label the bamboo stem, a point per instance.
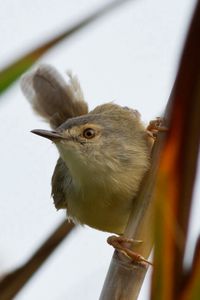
(124, 278)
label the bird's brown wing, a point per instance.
(61, 184)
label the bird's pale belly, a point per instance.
(106, 214)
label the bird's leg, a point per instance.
(155, 126)
(121, 243)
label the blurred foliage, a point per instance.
(12, 283)
(14, 70)
(175, 180)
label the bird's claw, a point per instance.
(121, 244)
(156, 126)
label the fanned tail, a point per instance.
(51, 97)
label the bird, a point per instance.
(103, 153)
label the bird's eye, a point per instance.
(89, 133)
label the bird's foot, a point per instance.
(156, 126)
(122, 244)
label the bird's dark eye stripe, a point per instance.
(89, 133)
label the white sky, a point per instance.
(129, 56)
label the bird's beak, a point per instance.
(51, 135)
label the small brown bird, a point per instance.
(104, 154)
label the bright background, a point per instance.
(129, 56)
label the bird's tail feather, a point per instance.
(51, 97)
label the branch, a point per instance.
(124, 278)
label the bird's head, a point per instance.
(77, 137)
(111, 138)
